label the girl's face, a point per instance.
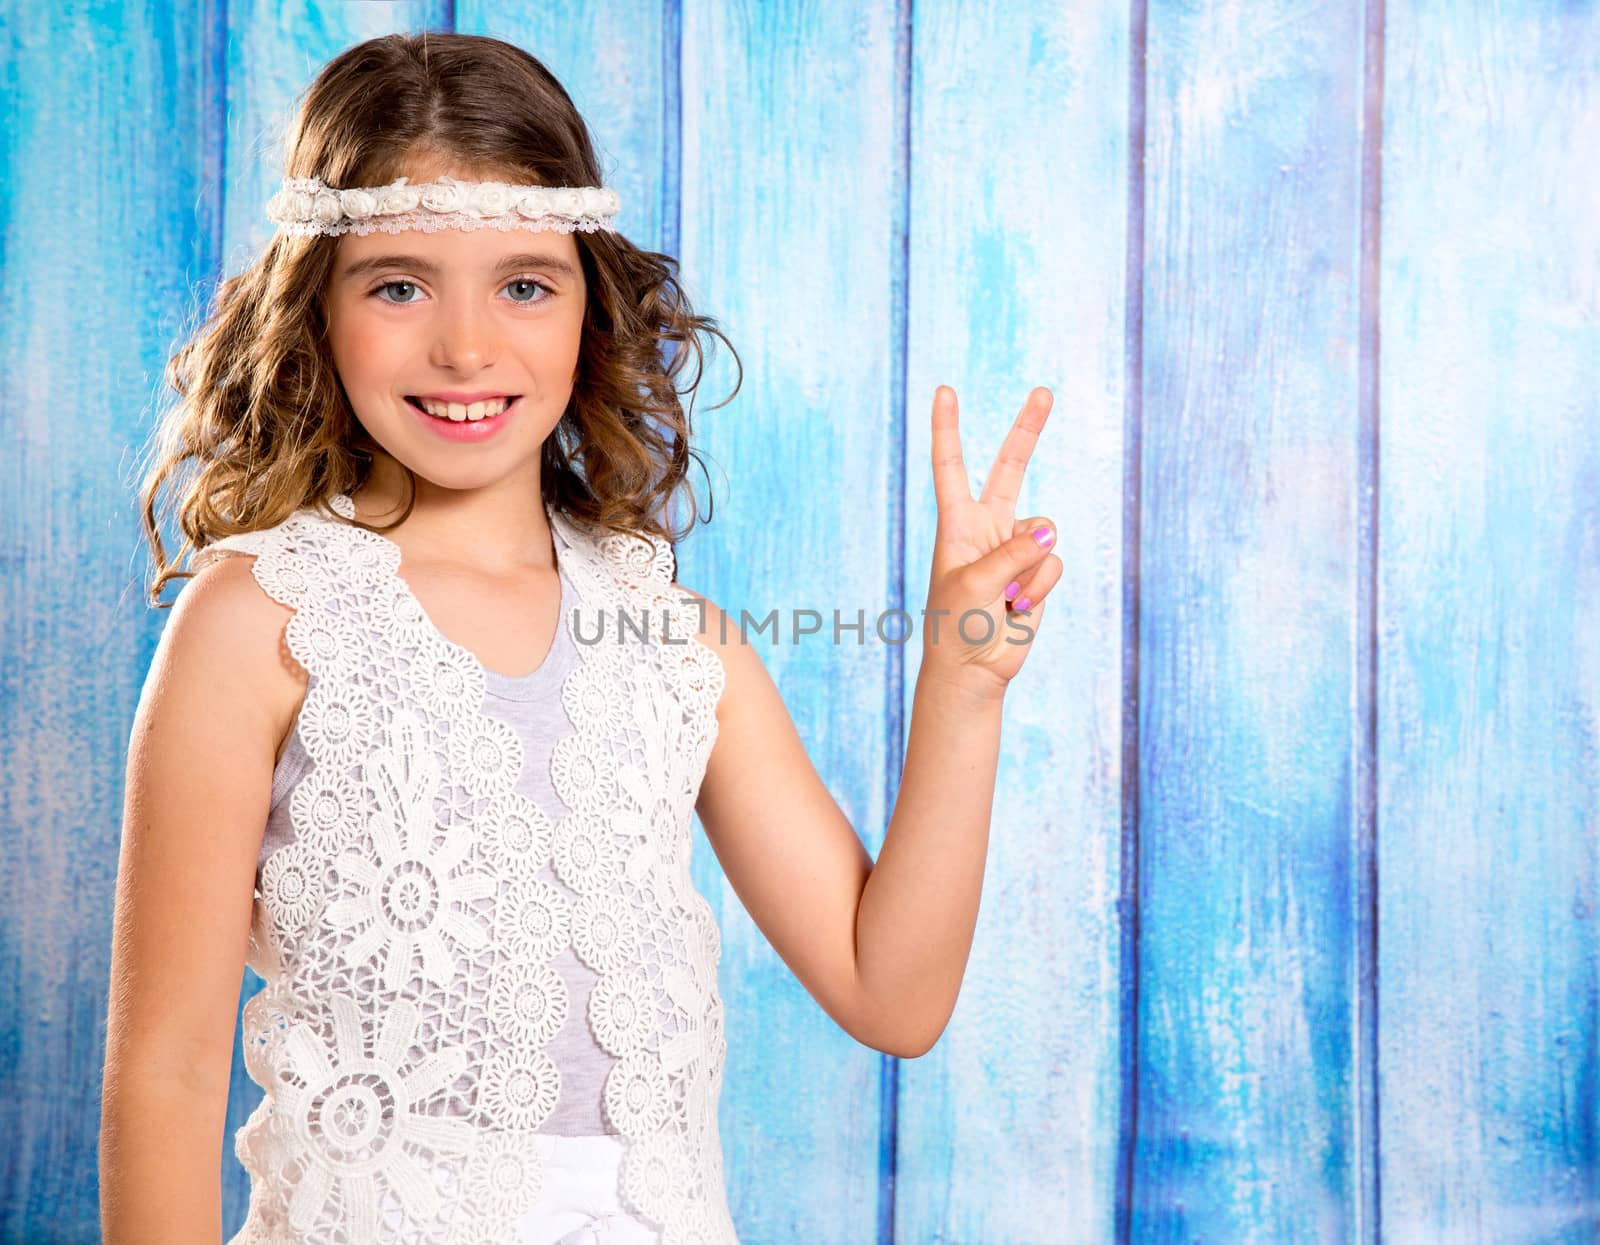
(415, 314)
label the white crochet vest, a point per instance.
(406, 938)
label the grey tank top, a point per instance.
(531, 706)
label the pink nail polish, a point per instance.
(1043, 536)
(1022, 604)
(1012, 589)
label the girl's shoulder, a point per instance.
(224, 621)
(246, 589)
(309, 556)
(306, 529)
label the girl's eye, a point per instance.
(389, 285)
(539, 285)
(411, 285)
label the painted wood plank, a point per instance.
(1489, 625)
(788, 189)
(1008, 1127)
(274, 52)
(1247, 1017)
(613, 60)
(104, 220)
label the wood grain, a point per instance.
(1288, 931)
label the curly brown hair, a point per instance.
(260, 407)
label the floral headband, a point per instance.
(305, 206)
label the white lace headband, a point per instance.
(305, 206)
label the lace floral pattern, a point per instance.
(407, 942)
(305, 206)
(433, 222)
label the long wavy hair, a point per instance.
(261, 415)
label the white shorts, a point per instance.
(580, 1205)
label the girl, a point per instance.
(423, 740)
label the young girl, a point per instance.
(423, 740)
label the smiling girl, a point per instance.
(390, 755)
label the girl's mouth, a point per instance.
(494, 408)
(466, 428)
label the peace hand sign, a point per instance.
(983, 557)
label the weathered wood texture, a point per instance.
(1289, 926)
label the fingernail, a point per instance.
(1012, 589)
(1043, 536)
(1022, 604)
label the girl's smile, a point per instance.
(456, 421)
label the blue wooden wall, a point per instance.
(1289, 928)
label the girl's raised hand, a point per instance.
(984, 557)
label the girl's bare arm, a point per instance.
(199, 781)
(883, 946)
(885, 957)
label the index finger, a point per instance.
(950, 483)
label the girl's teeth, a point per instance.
(458, 412)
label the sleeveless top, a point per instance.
(531, 705)
(413, 924)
